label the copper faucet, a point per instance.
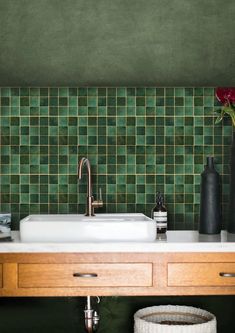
(91, 204)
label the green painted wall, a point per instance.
(117, 43)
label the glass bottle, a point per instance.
(159, 214)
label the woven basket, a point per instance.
(174, 319)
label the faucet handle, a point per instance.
(100, 194)
(98, 203)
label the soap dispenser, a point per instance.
(159, 214)
(210, 205)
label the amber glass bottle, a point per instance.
(159, 214)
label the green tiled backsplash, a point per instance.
(139, 141)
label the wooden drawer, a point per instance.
(1, 275)
(67, 275)
(201, 274)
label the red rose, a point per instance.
(225, 96)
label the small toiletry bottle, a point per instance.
(159, 214)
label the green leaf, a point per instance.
(218, 119)
(229, 111)
(233, 119)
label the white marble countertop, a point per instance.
(176, 241)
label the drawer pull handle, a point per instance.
(85, 275)
(227, 274)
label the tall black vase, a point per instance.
(210, 205)
(231, 217)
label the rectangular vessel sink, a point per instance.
(79, 228)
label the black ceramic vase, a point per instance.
(231, 216)
(210, 205)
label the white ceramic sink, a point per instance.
(79, 228)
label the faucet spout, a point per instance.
(90, 203)
(85, 161)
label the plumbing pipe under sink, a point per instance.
(91, 316)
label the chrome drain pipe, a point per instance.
(91, 316)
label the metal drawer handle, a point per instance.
(227, 274)
(85, 275)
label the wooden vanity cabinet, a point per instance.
(0, 275)
(116, 274)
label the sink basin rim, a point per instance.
(69, 228)
(109, 217)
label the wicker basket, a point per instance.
(174, 319)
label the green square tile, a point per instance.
(63, 92)
(140, 91)
(15, 101)
(179, 101)
(102, 92)
(5, 101)
(130, 111)
(189, 92)
(209, 101)
(34, 92)
(92, 101)
(73, 91)
(82, 92)
(160, 92)
(170, 111)
(198, 101)
(131, 91)
(209, 91)
(121, 92)
(102, 102)
(198, 91)
(44, 91)
(179, 92)
(140, 111)
(72, 111)
(92, 92)
(5, 92)
(63, 101)
(112, 92)
(169, 92)
(24, 91)
(150, 101)
(150, 91)
(121, 101)
(169, 101)
(54, 92)
(5, 111)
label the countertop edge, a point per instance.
(177, 241)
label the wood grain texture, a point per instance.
(62, 275)
(10, 276)
(142, 274)
(1, 278)
(200, 274)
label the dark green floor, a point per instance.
(65, 315)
